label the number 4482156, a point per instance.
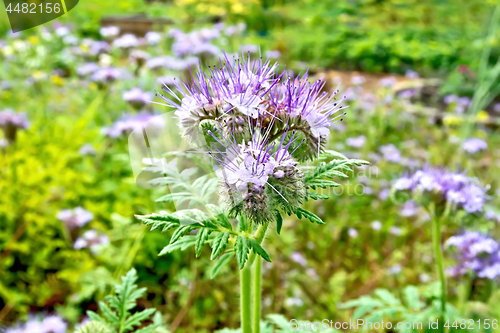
(32, 8)
(471, 324)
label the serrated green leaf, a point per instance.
(241, 248)
(387, 297)
(201, 239)
(219, 244)
(220, 216)
(182, 244)
(223, 260)
(300, 212)
(157, 221)
(258, 249)
(181, 231)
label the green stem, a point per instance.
(246, 288)
(257, 294)
(245, 299)
(439, 262)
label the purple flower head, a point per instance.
(412, 74)
(91, 239)
(258, 174)
(388, 81)
(409, 208)
(49, 324)
(87, 69)
(75, 218)
(358, 80)
(247, 93)
(356, 142)
(9, 118)
(153, 38)
(137, 98)
(273, 54)
(444, 185)
(448, 99)
(474, 145)
(407, 94)
(390, 153)
(496, 107)
(98, 47)
(130, 123)
(475, 253)
(87, 149)
(106, 75)
(110, 31)
(126, 41)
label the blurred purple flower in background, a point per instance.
(356, 142)
(75, 218)
(87, 149)
(474, 145)
(137, 98)
(410, 74)
(153, 37)
(454, 187)
(109, 31)
(390, 153)
(10, 118)
(106, 75)
(91, 239)
(476, 253)
(130, 123)
(388, 81)
(126, 41)
(409, 208)
(87, 69)
(49, 324)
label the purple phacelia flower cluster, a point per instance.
(49, 324)
(130, 123)
(10, 118)
(106, 75)
(443, 185)
(91, 239)
(75, 218)
(257, 124)
(474, 145)
(476, 253)
(137, 98)
(257, 175)
(241, 93)
(10, 122)
(195, 42)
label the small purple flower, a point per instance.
(137, 98)
(358, 80)
(87, 149)
(410, 74)
(474, 145)
(390, 153)
(11, 118)
(130, 123)
(356, 142)
(110, 31)
(407, 94)
(496, 107)
(444, 185)
(126, 41)
(299, 258)
(477, 253)
(388, 81)
(91, 239)
(10, 122)
(106, 75)
(153, 37)
(87, 69)
(98, 47)
(49, 324)
(273, 54)
(409, 209)
(376, 225)
(249, 48)
(353, 233)
(448, 99)
(75, 218)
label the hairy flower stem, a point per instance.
(257, 294)
(246, 288)
(439, 263)
(245, 299)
